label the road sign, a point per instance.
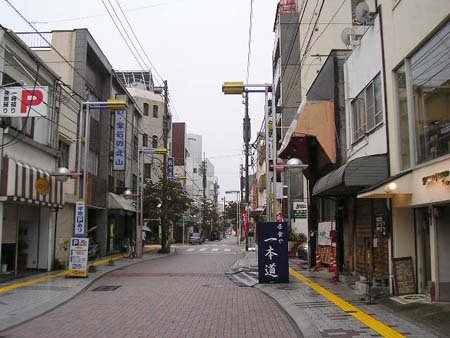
(79, 248)
(273, 261)
(80, 214)
(24, 101)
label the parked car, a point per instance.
(195, 238)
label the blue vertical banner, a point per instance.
(120, 140)
(80, 219)
(170, 167)
(273, 261)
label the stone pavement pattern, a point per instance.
(184, 295)
(25, 303)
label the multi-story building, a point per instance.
(417, 77)
(83, 67)
(194, 158)
(31, 97)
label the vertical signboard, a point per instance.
(299, 210)
(80, 214)
(170, 167)
(119, 140)
(79, 248)
(273, 262)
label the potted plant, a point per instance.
(294, 241)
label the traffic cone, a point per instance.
(334, 269)
(330, 266)
(318, 261)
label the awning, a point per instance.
(313, 119)
(20, 181)
(353, 176)
(117, 202)
(396, 186)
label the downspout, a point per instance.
(389, 201)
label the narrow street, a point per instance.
(184, 295)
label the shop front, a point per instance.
(31, 200)
(121, 223)
(420, 226)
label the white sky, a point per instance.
(195, 45)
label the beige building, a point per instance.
(416, 36)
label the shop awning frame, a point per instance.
(353, 176)
(117, 202)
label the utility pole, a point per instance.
(166, 121)
(247, 137)
(204, 191)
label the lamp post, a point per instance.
(239, 88)
(238, 207)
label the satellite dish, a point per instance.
(348, 36)
(363, 14)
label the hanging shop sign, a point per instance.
(24, 101)
(273, 262)
(119, 140)
(42, 186)
(299, 210)
(437, 177)
(170, 167)
(80, 214)
(78, 262)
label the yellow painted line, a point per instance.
(52, 276)
(363, 317)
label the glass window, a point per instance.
(378, 100)
(154, 141)
(370, 107)
(194, 170)
(358, 117)
(147, 170)
(155, 111)
(63, 155)
(405, 161)
(135, 147)
(145, 140)
(145, 109)
(430, 68)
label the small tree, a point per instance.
(167, 200)
(231, 209)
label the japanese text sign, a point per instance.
(170, 167)
(79, 248)
(120, 140)
(80, 208)
(273, 262)
(23, 101)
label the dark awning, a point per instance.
(353, 176)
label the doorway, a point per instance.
(423, 251)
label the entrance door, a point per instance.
(423, 250)
(442, 219)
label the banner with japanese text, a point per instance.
(119, 140)
(273, 262)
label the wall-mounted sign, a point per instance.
(273, 261)
(119, 140)
(441, 176)
(79, 219)
(24, 101)
(42, 186)
(170, 167)
(79, 248)
(299, 210)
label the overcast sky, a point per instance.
(195, 45)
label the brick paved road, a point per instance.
(185, 295)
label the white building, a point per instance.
(194, 158)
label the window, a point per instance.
(135, 147)
(145, 109)
(358, 117)
(63, 155)
(367, 109)
(154, 141)
(424, 96)
(147, 170)
(92, 161)
(194, 170)
(145, 140)
(405, 162)
(155, 111)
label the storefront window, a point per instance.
(431, 85)
(403, 114)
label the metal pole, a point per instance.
(164, 229)
(289, 199)
(141, 189)
(268, 186)
(247, 136)
(85, 170)
(138, 202)
(274, 155)
(80, 142)
(182, 241)
(238, 223)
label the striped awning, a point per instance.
(19, 184)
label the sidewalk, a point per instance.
(24, 299)
(322, 308)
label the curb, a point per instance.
(84, 289)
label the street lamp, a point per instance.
(238, 207)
